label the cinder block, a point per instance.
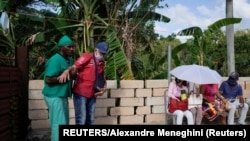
(111, 120)
(38, 114)
(246, 93)
(117, 111)
(242, 83)
(159, 91)
(72, 121)
(36, 84)
(155, 118)
(105, 102)
(247, 83)
(131, 84)
(71, 103)
(143, 110)
(158, 109)
(132, 101)
(161, 83)
(40, 124)
(35, 94)
(37, 104)
(143, 92)
(101, 112)
(154, 101)
(71, 113)
(112, 84)
(122, 93)
(136, 119)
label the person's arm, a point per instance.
(51, 80)
(202, 91)
(241, 98)
(69, 73)
(171, 88)
(219, 95)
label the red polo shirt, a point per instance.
(86, 74)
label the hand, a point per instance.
(224, 100)
(103, 90)
(64, 76)
(197, 95)
(191, 92)
(177, 99)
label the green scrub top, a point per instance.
(54, 67)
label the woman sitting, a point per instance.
(212, 105)
(174, 92)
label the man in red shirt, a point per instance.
(87, 67)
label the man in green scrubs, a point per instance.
(56, 94)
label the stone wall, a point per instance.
(132, 102)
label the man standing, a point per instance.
(232, 92)
(88, 66)
(56, 94)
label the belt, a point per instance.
(231, 100)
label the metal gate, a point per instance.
(14, 100)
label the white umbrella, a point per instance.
(197, 74)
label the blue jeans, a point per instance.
(84, 109)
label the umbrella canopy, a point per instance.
(197, 74)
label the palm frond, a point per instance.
(117, 66)
(223, 22)
(191, 31)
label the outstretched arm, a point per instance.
(68, 74)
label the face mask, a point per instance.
(99, 57)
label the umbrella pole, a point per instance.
(169, 60)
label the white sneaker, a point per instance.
(241, 123)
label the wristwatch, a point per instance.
(241, 105)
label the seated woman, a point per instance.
(213, 104)
(174, 92)
(194, 90)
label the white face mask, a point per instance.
(99, 57)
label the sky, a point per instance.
(201, 13)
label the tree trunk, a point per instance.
(230, 37)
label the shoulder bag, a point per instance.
(100, 80)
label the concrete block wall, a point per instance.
(133, 102)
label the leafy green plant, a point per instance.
(201, 40)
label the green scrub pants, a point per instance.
(58, 114)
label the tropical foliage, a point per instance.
(88, 22)
(136, 51)
(201, 41)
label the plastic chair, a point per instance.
(168, 114)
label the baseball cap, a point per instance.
(102, 47)
(234, 75)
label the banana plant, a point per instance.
(86, 27)
(200, 39)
